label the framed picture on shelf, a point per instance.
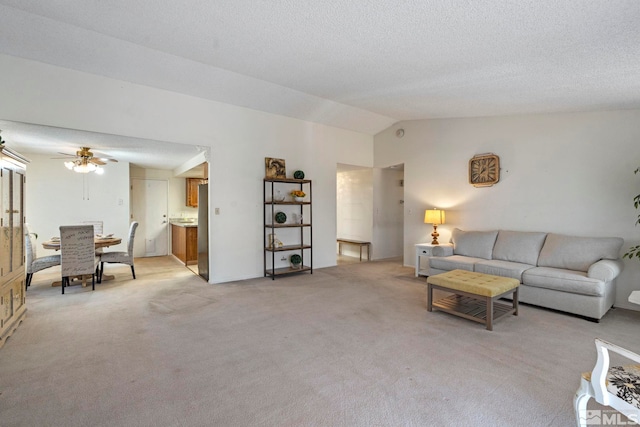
(275, 168)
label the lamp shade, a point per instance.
(434, 216)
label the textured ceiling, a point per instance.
(360, 64)
(46, 140)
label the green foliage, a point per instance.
(636, 200)
(295, 259)
(634, 251)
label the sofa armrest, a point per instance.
(442, 251)
(605, 269)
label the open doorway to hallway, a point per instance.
(369, 213)
(388, 212)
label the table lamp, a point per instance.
(436, 217)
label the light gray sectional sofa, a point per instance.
(572, 274)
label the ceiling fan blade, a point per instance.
(67, 154)
(106, 159)
(96, 161)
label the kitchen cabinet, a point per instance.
(184, 242)
(192, 191)
(12, 270)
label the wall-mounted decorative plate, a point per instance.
(281, 217)
(484, 170)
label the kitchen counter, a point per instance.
(184, 224)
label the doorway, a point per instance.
(149, 206)
(370, 208)
(354, 210)
(388, 207)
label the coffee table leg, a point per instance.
(515, 302)
(429, 297)
(489, 313)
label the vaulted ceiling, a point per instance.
(359, 64)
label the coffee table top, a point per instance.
(471, 282)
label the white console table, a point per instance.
(425, 250)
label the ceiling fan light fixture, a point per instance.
(84, 167)
(85, 162)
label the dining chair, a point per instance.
(33, 263)
(98, 226)
(617, 387)
(121, 257)
(98, 229)
(78, 253)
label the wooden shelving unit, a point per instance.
(303, 240)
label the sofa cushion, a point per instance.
(453, 262)
(571, 281)
(478, 244)
(502, 268)
(577, 253)
(518, 246)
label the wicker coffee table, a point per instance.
(475, 295)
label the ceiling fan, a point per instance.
(85, 162)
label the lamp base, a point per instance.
(435, 235)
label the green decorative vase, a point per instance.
(296, 261)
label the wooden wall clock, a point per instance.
(484, 170)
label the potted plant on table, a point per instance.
(298, 195)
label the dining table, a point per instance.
(100, 242)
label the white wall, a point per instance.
(562, 173)
(354, 215)
(388, 231)
(239, 138)
(56, 196)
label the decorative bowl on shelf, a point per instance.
(281, 217)
(298, 195)
(298, 174)
(278, 196)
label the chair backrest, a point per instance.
(132, 235)
(98, 226)
(30, 248)
(77, 250)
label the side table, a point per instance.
(635, 297)
(425, 250)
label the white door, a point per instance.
(149, 204)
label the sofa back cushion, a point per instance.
(577, 253)
(478, 244)
(518, 246)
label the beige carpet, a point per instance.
(351, 345)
